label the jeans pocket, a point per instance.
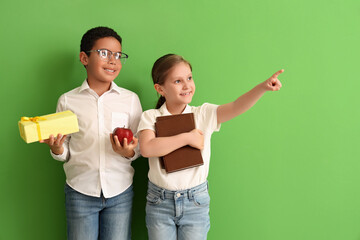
(202, 199)
(153, 198)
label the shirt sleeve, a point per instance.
(61, 106)
(135, 119)
(147, 121)
(208, 112)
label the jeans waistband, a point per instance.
(188, 193)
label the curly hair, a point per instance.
(91, 36)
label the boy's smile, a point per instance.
(110, 70)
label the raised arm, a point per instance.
(152, 146)
(230, 110)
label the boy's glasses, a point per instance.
(105, 55)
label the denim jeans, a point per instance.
(177, 215)
(93, 218)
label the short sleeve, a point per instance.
(147, 121)
(208, 115)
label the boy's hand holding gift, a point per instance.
(123, 142)
(55, 143)
(44, 128)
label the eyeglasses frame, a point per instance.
(122, 54)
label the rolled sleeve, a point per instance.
(61, 157)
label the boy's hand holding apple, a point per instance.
(123, 142)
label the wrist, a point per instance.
(129, 154)
(186, 139)
(57, 151)
(261, 88)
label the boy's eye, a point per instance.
(103, 53)
(189, 78)
(177, 81)
(117, 55)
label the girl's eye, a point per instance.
(177, 81)
(189, 78)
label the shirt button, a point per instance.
(178, 194)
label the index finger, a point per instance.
(275, 75)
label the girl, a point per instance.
(178, 203)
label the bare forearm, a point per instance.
(243, 103)
(161, 146)
(246, 101)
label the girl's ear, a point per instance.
(84, 58)
(159, 89)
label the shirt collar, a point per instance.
(113, 87)
(84, 86)
(164, 111)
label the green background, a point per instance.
(286, 169)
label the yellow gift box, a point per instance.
(34, 129)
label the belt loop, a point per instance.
(162, 196)
(190, 194)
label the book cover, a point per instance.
(184, 157)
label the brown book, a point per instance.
(184, 157)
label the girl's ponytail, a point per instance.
(160, 102)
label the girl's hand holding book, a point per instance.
(196, 139)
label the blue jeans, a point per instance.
(93, 218)
(177, 215)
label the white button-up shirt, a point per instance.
(91, 165)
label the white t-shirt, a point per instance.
(91, 165)
(205, 120)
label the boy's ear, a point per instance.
(84, 58)
(159, 89)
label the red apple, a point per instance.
(122, 133)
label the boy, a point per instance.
(98, 190)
